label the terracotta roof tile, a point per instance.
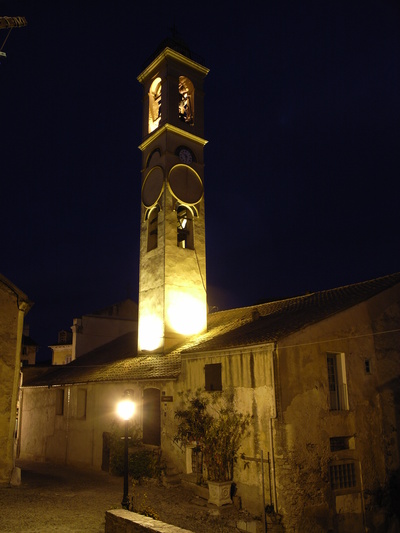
(269, 322)
(246, 326)
(115, 361)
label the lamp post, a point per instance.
(125, 409)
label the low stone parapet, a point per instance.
(123, 521)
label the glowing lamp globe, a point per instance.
(126, 408)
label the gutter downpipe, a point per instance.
(271, 438)
(67, 424)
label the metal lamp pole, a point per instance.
(126, 408)
(125, 498)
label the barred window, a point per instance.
(339, 443)
(343, 476)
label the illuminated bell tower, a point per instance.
(172, 273)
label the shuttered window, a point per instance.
(213, 377)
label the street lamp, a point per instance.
(125, 409)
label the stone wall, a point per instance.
(13, 305)
(306, 424)
(122, 521)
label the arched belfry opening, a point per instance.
(154, 104)
(152, 228)
(185, 237)
(186, 100)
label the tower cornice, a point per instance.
(170, 53)
(172, 129)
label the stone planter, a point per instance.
(219, 492)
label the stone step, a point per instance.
(171, 476)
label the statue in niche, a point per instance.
(185, 104)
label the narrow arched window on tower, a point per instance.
(186, 100)
(185, 227)
(154, 104)
(152, 228)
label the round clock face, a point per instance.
(185, 156)
(185, 184)
(153, 186)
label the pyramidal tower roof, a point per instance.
(175, 42)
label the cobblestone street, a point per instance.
(56, 498)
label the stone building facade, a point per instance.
(94, 329)
(29, 348)
(14, 305)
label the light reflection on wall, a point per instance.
(150, 332)
(186, 314)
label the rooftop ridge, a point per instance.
(360, 284)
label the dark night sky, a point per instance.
(302, 165)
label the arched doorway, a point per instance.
(151, 417)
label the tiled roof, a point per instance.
(233, 328)
(115, 361)
(272, 321)
(13, 288)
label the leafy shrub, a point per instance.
(142, 462)
(214, 426)
(145, 463)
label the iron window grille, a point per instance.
(339, 443)
(343, 476)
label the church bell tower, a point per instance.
(172, 272)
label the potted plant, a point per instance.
(214, 426)
(194, 420)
